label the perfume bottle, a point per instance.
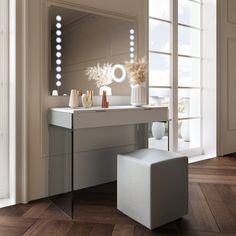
(105, 103)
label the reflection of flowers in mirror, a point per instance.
(102, 75)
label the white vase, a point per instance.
(138, 95)
(74, 99)
(158, 130)
(86, 101)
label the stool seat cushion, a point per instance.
(151, 156)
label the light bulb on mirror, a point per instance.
(58, 83)
(58, 40)
(58, 76)
(58, 54)
(58, 47)
(58, 62)
(131, 31)
(58, 25)
(58, 32)
(58, 69)
(58, 18)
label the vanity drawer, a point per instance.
(103, 118)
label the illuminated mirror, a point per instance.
(80, 40)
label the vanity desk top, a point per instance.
(100, 117)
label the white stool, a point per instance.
(152, 186)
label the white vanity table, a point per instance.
(84, 118)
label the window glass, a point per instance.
(189, 71)
(159, 36)
(159, 69)
(159, 9)
(189, 41)
(189, 134)
(189, 13)
(188, 103)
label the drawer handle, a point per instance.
(101, 111)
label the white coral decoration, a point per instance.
(101, 74)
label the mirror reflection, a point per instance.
(81, 40)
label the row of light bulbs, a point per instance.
(58, 50)
(132, 44)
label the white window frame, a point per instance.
(174, 80)
(8, 101)
(4, 99)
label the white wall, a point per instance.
(226, 95)
(38, 100)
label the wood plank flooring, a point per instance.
(212, 209)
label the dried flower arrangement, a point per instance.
(137, 71)
(101, 74)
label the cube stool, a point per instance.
(152, 186)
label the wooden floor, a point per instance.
(212, 209)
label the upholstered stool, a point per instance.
(152, 186)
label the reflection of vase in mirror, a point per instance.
(87, 39)
(105, 88)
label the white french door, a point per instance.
(4, 100)
(175, 72)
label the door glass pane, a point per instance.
(159, 36)
(189, 72)
(189, 41)
(159, 9)
(189, 13)
(189, 134)
(159, 97)
(158, 131)
(188, 103)
(159, 69)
